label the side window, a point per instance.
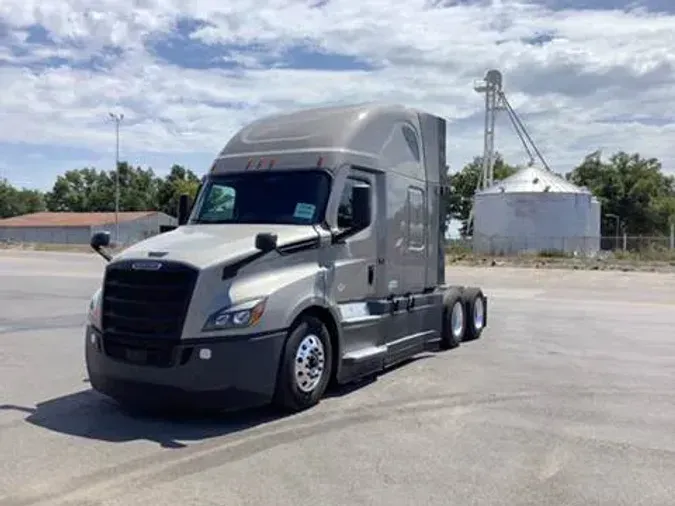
(344, 218)
(219, 204)
(416, 221)
(411, 140)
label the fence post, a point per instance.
(625, 241)
(672, 235)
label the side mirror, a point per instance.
(98, 241)
(183, 209)
(266, 242)
(360, 207)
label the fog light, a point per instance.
(92, 338)
(205, 354)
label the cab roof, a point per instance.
(361, 130)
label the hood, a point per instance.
(206, 245)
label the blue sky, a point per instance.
(584, 75)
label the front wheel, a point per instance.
(306, 366)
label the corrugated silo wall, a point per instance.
(511, 223)
(594, 232)
(49, 235)
(137, 230)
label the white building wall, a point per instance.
(507, 223)
(49, 235)
(137, 230)
(130, 231)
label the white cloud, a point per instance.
(599, 66)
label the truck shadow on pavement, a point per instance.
(90, 415)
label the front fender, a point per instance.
(309, 302)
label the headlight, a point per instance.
(94, 312)
(244, 314)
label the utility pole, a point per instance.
(117, 118)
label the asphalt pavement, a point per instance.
(567, 399)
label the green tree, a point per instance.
(30, 201)
(463, 184)
(15, 202)
(179, 181)
(89, 190)
(139, 188)
(82, 190)
(631, 187)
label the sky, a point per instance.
(583, 75)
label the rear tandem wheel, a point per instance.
(476, 311)
(454, 319)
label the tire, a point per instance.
(308, 342)
(476, 310)
(454, 320)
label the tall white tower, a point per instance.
(491, 86)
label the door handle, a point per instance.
(371, 274)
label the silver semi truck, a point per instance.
(313, 254)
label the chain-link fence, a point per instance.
(648, 247)
(510, 245)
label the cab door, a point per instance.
(354, 259)
(354, 269)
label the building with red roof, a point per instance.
(77, 228)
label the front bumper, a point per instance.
(221, 373)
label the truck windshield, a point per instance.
(282, 197)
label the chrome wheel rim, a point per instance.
(478, 313)
(457, 319)
(309, 363)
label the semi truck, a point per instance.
(312, 255)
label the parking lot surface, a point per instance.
(567, 399)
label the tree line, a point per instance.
(629, 186)
(91, 190)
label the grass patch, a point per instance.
(647, 255)
(551, 253)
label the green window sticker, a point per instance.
(304, 211)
